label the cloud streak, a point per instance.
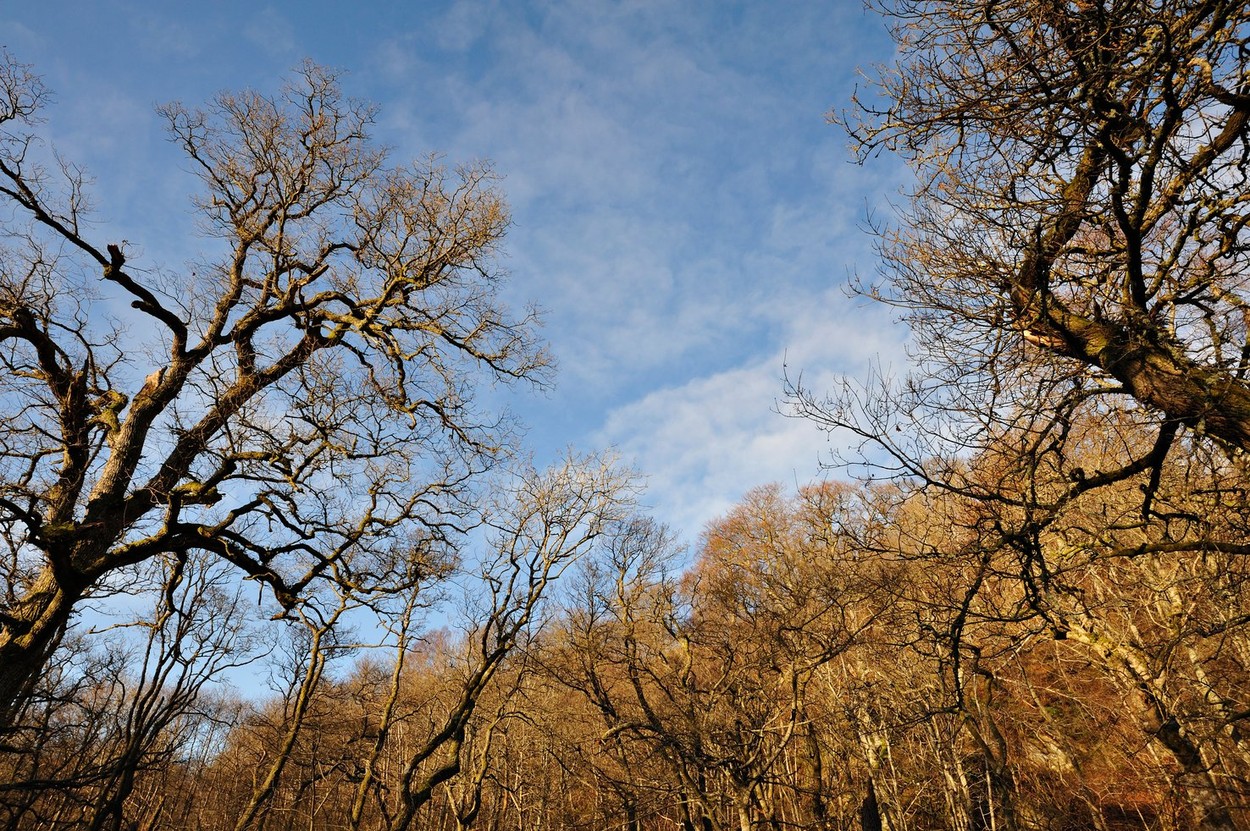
(681, 210)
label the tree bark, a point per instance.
(29, 633)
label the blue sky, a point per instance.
(683, 213)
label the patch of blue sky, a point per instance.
(682, 211)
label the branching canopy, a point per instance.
(300, 405)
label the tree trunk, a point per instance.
(30, 632)
(870, 811)
(1195, 781)
(1199, 787)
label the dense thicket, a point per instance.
(843, 657)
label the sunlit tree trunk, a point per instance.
(319, 631)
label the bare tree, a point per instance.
(198, 631)
(127, 703)
(314, 650)
(309, 397)
(1081, 198)
(702, 686)
(548, 521)
(1071, 263)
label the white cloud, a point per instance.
(271, 31)
(464, 23)
(686, 220)
(705, 443)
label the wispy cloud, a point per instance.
(271, 30)
(705, 442)
(682, 212)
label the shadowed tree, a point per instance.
(1081, 197)
(1071, 262)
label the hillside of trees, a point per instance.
(278, 569)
